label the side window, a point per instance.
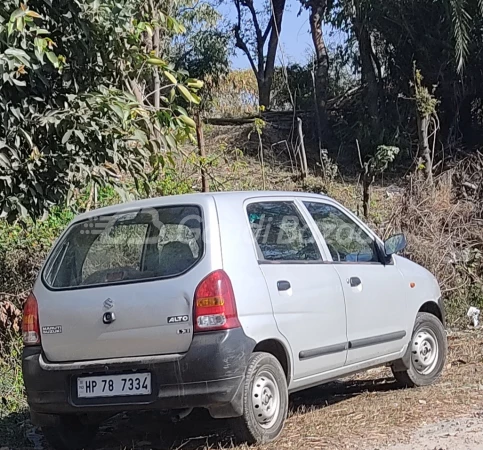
(281, 232)
(347, 241)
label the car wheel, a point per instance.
(265, 401)
(71, 433)
(427, 352)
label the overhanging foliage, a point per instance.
(67, 104)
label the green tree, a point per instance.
(317, 11)
(463, 13)
(75, 100)
(257, 34)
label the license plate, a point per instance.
(114, 385)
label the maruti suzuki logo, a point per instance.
(108, 303)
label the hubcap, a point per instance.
(265, 399)
(425, 351)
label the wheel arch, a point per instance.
(433, 308)
(279, 351)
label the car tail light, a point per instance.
(214, 303)
(30, 322)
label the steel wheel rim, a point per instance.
(425, 351)
(265, 399)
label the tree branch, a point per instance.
(278, 7)
(239, 42)
(136, 91)
(258, 32)
(267, 30)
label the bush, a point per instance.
(446, 237)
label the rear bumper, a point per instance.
(209, 375)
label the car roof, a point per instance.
(239, 196)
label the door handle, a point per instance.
(354, 281)
(283, 285)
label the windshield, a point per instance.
(138, 245)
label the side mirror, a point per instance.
(395, 244)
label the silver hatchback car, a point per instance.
(226, 301)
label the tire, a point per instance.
(72, 433)
(426, 365)
(265, 401)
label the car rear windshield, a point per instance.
(119, 248)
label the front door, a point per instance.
(374, 292)
(306, 293)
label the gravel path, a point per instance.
(456, 434)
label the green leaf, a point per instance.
(188, 96)
(118, 110)
(170, 159)
(188, 121)
(140, 136)
(18, 82)
(16, 14)
(170, 77)
(33, 14)
(53, 59)
(20, 24)
(172, 95)
(181, 110)
(23, 211)
(38, 188)
(461, 31)
(156, 62)
(67, 136)
(17, 52)
(163, 142)
(147, 187)
(80, 135)
(193, 83)
(27, 136)
(4, 161)
(171, 141)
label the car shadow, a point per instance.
(199, 430)
(151, 430)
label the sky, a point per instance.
(296, 43)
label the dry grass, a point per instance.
(445, 235)
(369, 409)
(365, 411)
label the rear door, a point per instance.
(122, 285)
(306, 294)
(374, 292)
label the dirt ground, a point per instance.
(366, 412)
(465, 433)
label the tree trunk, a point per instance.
(424, 150)
(201, 147)
(317, 10)
(264, 89)
(366, 193)
(278, 7)
(263, 66)
(303, 155)
(368, 72)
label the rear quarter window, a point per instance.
(134, 246)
